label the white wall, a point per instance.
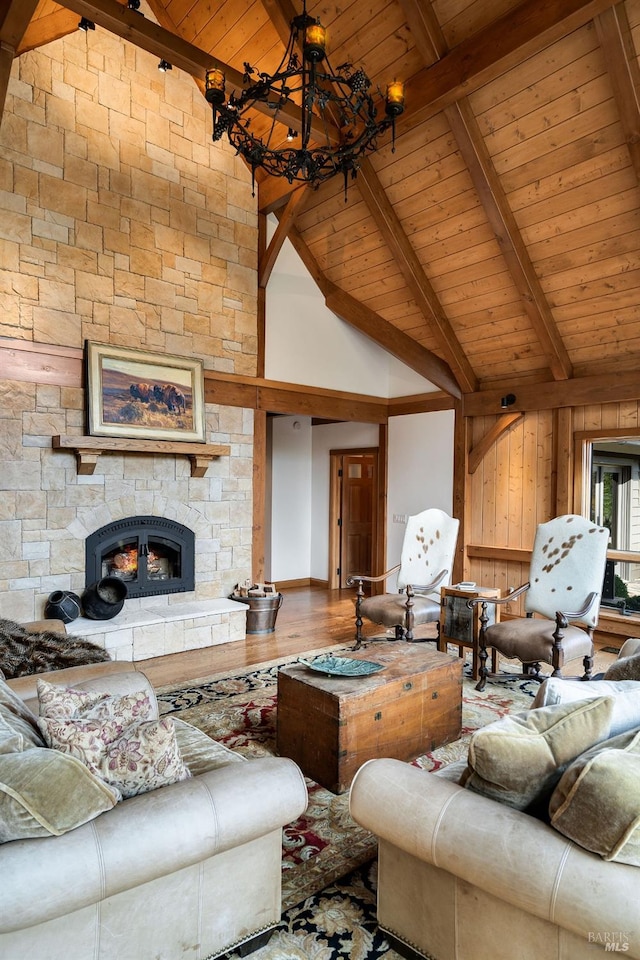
(290, 499)
(420, 475)
(307, 343)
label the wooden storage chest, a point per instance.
(332, 725)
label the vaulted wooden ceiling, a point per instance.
(498, 247)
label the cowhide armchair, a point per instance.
(426, 562)
(562, 600)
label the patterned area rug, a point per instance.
(337, 923)
(328, 863)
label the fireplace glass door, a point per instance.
(152, 555)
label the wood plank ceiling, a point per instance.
(499, 245)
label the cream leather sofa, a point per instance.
(463, 877)
(189, 870)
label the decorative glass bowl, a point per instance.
(342, 666)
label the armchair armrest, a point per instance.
(421, 590)
(498, 600)
(354, 578)
(562, 617)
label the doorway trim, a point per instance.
(379, 540)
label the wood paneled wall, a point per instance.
(525, 478)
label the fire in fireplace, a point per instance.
(151, 554)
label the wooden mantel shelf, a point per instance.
(88, 449)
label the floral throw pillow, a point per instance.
(131, 758)
(70, 703)
(118, 737)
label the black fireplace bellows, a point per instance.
(104, 599)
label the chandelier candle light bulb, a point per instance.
(215, 86)
(395, 98)
(315, 43)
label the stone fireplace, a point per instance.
(51, 513)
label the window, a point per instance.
(610, 486)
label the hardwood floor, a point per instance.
(310, 618)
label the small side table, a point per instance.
(461, 626)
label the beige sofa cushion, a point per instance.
(626, 695)
(519, 759)
(596, 802)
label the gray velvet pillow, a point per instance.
(519, 759)
(597, 802)
(18, 724)
(44, 793)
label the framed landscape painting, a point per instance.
(137, 394)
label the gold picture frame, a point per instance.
(136, 393)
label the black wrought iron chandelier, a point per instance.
(339, 121)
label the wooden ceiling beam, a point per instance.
(605, 388)
(521, 33)
(273, 192)
(281, 13)
(59, 23)
(310, 262)
(614, 34)
(477, 453)
(492, 51)
(285, 223)
(394, 341)
(425, 30)
(415, 277)
(6, 62)
(152, 37)
(15, 16)
(14, 20)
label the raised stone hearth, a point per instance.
(147, 627)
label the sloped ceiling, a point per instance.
(498, 247)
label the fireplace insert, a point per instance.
(153, 555)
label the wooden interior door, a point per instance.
(358, 476)
(353, 519)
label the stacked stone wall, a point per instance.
(120, 223)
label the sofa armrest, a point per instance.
(145, 837)
(509, 854)
(114, 677)
(42, 626)
(629, 648)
